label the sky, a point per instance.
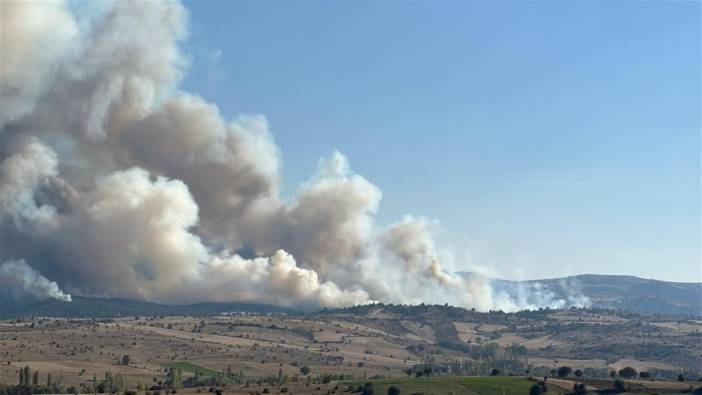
(545, 139)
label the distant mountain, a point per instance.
(105, 307)
(623, 292)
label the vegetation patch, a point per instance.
(191, 368)
(457, 385)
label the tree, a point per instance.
(109, 382)
(174, 378)
(535, 390)
(25, 374)
(579, 388)
(620, 385)
(495, 372)
(612, 373)
(120, 383)
(35, 378)
(578, 373)
(305, 370)
(644, 375)
(681, 377)
(367, 389)
(628, 372)
(564, 371)
(125, 360)
(393, 390)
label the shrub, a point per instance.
(564, 371)
(628, 372)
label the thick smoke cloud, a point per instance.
(115, 183)
(19, 282)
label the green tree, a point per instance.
(25, 376)
(120, 383)
(174, 378)
(579, 388)
(578, 373)
(109, 384)
(564, 371)
(535, 390)
(620, 385)
(393, 390)
(681, 377)
(125, 360)
(628, 372)
(367, 389)
(305, 370)
(644, 375)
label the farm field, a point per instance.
(376, 343)
(456, 385)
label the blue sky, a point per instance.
(548, 138)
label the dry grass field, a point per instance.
(370, 342)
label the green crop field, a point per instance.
(482, 385)
(190, 367)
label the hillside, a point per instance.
(104, 307)
(362, 342)
(623, 292)
(613, 292)
(582, 334)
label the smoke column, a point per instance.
(18, 281)
(113, 182)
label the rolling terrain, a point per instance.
(371, 342)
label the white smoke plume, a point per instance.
(113, 182)
(21, 283)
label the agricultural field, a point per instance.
(456, 385)
(382, 344)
